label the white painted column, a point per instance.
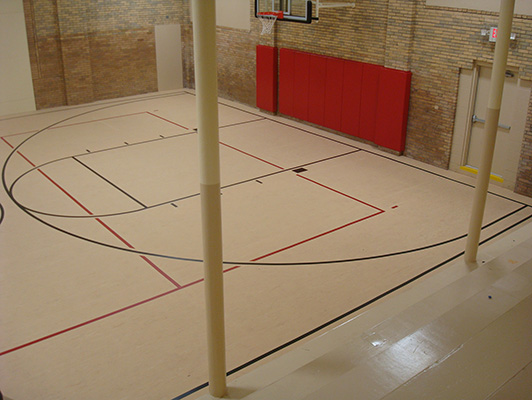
(490, 129)
(204, 28)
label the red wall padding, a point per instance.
(316, 91)
(333, 93)
(368, 101)
(352, 87)
(267, 78)
(364, 100)
(301, 84)
(392, 108)
(286, 82)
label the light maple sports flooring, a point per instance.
(461, 333)
(101, 276)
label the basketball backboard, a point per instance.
(304, 11)
(293, 10)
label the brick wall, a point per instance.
(353, 33)
(524, 175)
(236, 69)
(445, 41)
(75, 51)
(400, 24)
(123, 63)
(236, 59)
(85, 50)
(45, 53)
(432, 42)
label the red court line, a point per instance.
(9, 144)
(159, 270)
(379, 211)
(110, 314)
(175, 290)
(119, 237)
(251, 155)
(24, 157)
(167, 120)
(63, 190)
(114, 233)
(317, 236)
(179, 287)
(79, 123)
(341, 193)
(98, 219)
(89, 321)
(95, 120)
(202, 279)
(21, 133)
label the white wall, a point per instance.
(521, 6)
(16, 86)
(233, 14)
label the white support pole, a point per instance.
(490, 130)
(204, 28)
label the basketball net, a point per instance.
(268, 20)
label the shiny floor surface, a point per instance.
(463, 333)
(101, 274)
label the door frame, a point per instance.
(469, 115)
(460, 156)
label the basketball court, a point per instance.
(101, 253)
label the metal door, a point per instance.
(511, 126)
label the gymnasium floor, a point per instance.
(102, 293)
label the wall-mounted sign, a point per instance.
(493, 34)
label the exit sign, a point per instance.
(493, 34)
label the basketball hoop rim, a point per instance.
(277, 14)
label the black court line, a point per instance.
(335, 319)
(261, 263)
(393, 254)
(88, 152)
(369, 151)
(266, 117)
(2, 213)
(241, 123)
(269, 118)
(67, 108)
(19, 133)
(292, 168)
(123, 146)
(347, 313)
(306, 263)
(198, 260)
(167, 120)
(407, 164)
(110, 183)
(60, 122)
(92, 121)
(11, 188)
